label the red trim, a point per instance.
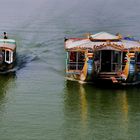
(6, 48)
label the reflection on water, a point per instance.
(84, 105)
(97, 112)
(5, 82)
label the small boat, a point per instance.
(103, 57)
(7, 54)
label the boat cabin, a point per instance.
(7, 54)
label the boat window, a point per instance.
(3, 51)
(116, 61)
(138, 57)
(124, 59)
(72, 56)
(138, 62)
(115, 57)
(75, 60)
(8, 56)
(81, 56)
(76, 56)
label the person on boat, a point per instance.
(119, 35)
(5, 35)
(65, 39)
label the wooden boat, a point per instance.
(103, 57)
(7, 54)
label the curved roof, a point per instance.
(104, 36)
(105, 43)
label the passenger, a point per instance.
(5, 35)
(65, 39)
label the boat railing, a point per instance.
(115, 67)
(75, 65)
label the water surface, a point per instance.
(37, 102)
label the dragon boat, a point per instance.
(103, 57)
(7, 54)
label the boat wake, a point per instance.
(23, 60)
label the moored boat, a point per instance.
(7, 54)
(103, 57)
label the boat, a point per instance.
(7, 54)
(103, 57)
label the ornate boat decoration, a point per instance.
(103, 57)
(7, 54)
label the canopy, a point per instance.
(8, 43)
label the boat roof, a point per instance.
(104, 36)
(8, 43)
(101, 41)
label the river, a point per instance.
(37, 102)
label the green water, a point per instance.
(37, 102)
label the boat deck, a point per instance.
(73, 72)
